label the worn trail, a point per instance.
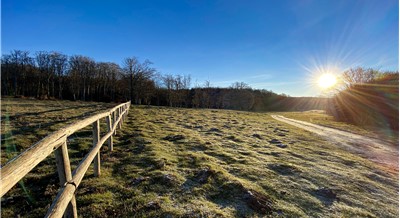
(373, 149)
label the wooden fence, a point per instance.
(65, 202)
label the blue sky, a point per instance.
(276, 45)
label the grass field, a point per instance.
(321, 118)
(170, 162)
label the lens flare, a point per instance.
(327, 80)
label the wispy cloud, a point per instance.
(257, 85)
(261, 76)
(261, 85)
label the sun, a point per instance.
(327, 80)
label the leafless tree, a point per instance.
(43, 62)
(240, 85)
(168, 81)
(59, 63)
(20, 61)
(82, 69)
(356, 76)
(139, 75)
(131, 66)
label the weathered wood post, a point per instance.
(119, 115)
(64, 173)
(109, 129)
(123, 116)
(117, 112)
(96, 138)
(127, 109)
(114, 120)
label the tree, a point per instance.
(143, 84)
(139, 75)
(240, 85)
(6, 75)
(239, 99)
(130, 67)
(82, 70)
(357, 76)
(106, 76)
(368, 97)
(20, 60)
(59, 63)
(45, 73)
(168, 81)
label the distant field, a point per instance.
(171, 162)
(26, 121)
(321, 118)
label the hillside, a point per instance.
(170, 162)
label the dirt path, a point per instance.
(373, 149)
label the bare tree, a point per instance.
(59, 65)
(106, 76)
(240, 85)
(6, 73)
(139, 74)
(168, 81)
(20, 61)
(143, 84)
(43, 62)
(357, 76)
(131, 67)
(82, 70)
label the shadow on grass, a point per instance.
(55, 110)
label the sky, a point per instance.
(278, 45)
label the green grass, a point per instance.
(170, 162)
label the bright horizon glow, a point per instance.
(327, 80)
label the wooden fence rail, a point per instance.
(64, 203)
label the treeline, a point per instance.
(47, 75)
(53, 75)
(368, 98)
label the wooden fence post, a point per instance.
(115, 120)
(64, 173)
(119, 115)
(65, 202)
(96, 138)
(122, 116)
(126, 111)
(118, 112)
(109, 129)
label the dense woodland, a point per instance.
(53, 75)
(366, 97)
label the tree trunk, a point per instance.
(48, 87)
(84, 89)
(52, 89)
(131, 87)
(59, 89)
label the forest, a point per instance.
(364, 97)
(53, 75)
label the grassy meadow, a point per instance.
(319, 117)
(175, 162)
